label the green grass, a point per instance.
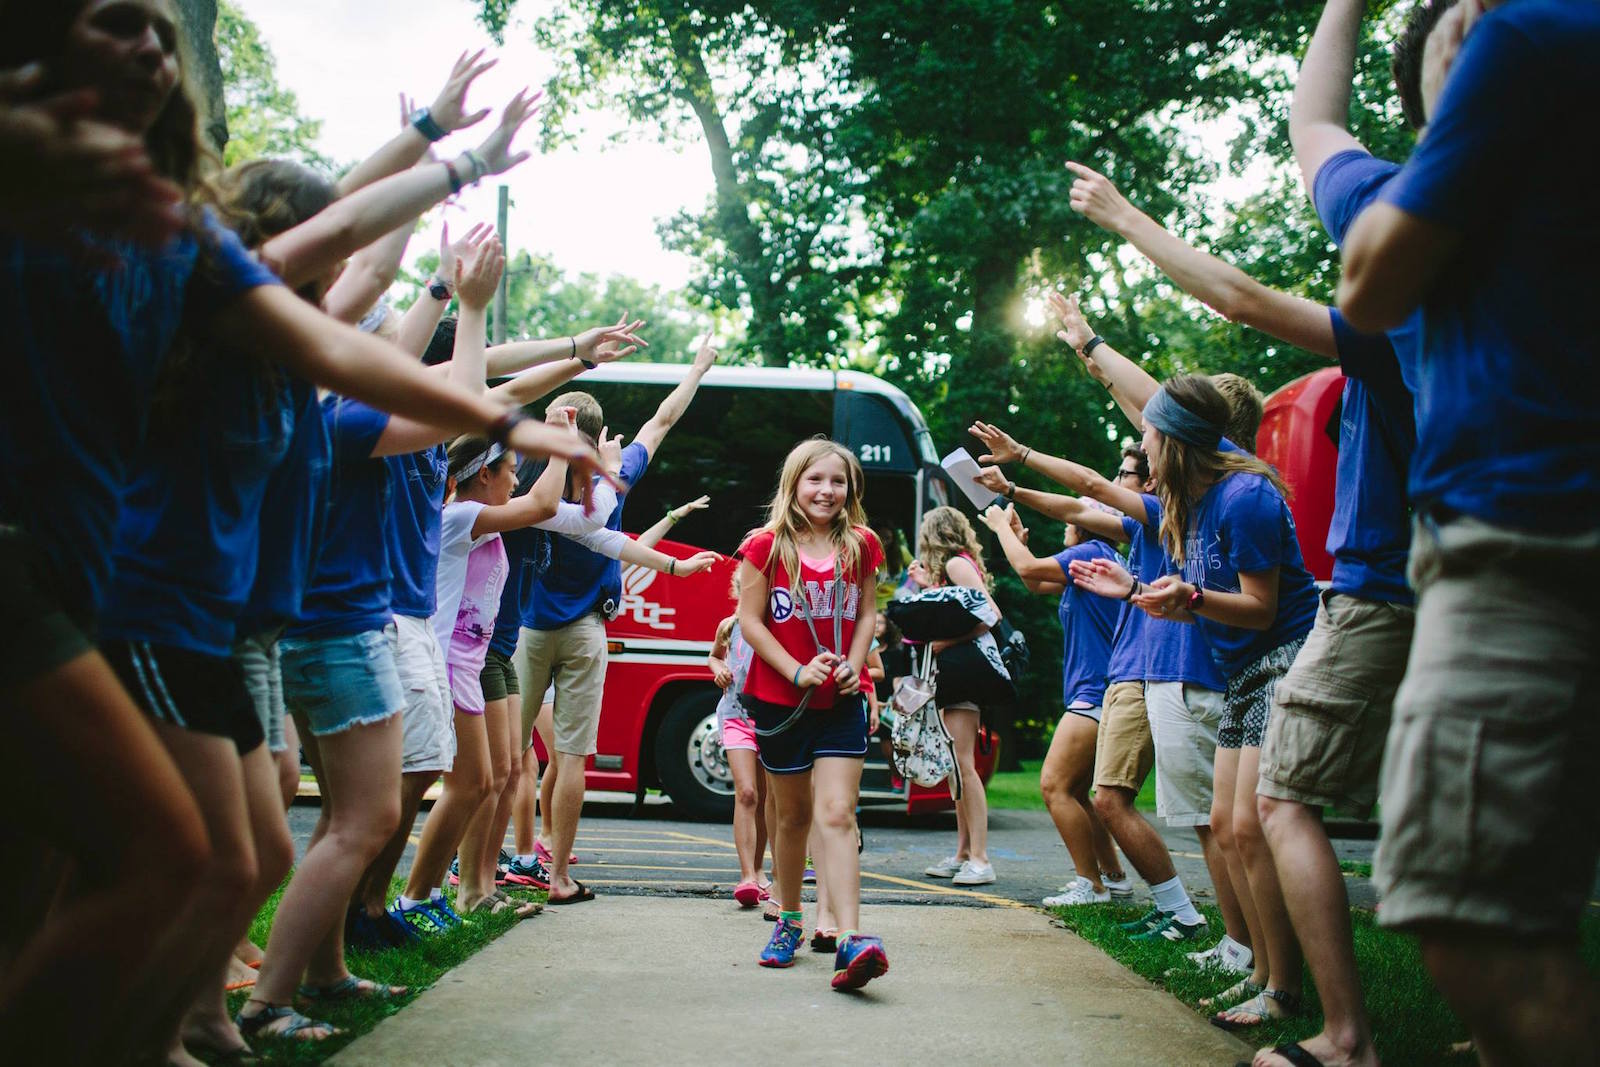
(1019, 790)
(1411, 1023)
(417, 967)
(1359, 868)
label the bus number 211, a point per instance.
(875, 454)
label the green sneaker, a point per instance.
(1170, 929)
(1144, 923)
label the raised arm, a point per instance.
(419, 129)
(1220, 285)
(1130, 385)
(476, 281)
(1319, 116)
(1075, 476)
(367, 276)
(1029, 568)
(672, 408)
(596, 345)
(1057, 506)
(316, 245)
(673, 516)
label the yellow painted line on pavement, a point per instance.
(647, 867)
(702, 840)
(939, 890)
(637, 851)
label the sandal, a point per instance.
(824, 940)
(1295, 1054)
(261, 1024)
(1269, 1005)
(1241, 990)
(584, 893)
(497, 903)
(352, 988)
(770, 912)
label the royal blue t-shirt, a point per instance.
(1369, 536)
(1508, 402)
(87, 332)
(516, 599)
(1242, 524)
(415, 508)
(1087, 622)
(1173, 651)
(349, 590)
(189, 535)
(294, 518)
(578, 579)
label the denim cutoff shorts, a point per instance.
(343, 681)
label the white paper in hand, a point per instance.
(963, 471)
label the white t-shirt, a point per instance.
(455, 545)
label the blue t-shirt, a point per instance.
(577, 579)
(87, 333)
(516, 599)
(1086, 625)
(293, 520)
(1171, 651)
(415, 508)
(189, 535)
(1369, 536)
(349, 590)
(1508, 402)
(1242, 524)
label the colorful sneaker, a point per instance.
(392, 932)
(786, 938)
(455, 871)
(1170, 929)
(810, 875)
(419, 918)
(1144, 923)
(532, 875)
(748, 894)
(859, 960)
(441, 907)
(945, 868)
(974, 873)
(1077, 893)
(1121, 889)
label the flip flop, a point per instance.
(1295, 1053)
(1258, 1008)
(748, 894)
(584, 893)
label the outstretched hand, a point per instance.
(1002, 448)
(696, 563)
(607, 344)
(1076, 332)
(495, 152)
(1102, 577)
(682, 511)
(1094, 196)
(479, 276)
(610, 450)
(449, 108)
(993, 479)
(462, 249)
(997, 518)
(706, 356)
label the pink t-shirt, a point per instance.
(487, 568)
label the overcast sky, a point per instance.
(593, 207)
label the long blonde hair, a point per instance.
(946, 534)
(1184, 472)
(788, 523)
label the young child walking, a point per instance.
(806, 606)
(730, 669)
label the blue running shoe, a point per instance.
(786, 938)
(420, 918)
(441, 907)
(529, 875)
(859, 960)
(455, 871)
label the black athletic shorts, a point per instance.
(838, 731)
(198, 692)
(39, 629)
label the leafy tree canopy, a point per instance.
(264, 118)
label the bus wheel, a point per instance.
(689, 758)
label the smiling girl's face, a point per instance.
(823, 490)
(127, 51)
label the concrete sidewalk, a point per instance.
(668, 980)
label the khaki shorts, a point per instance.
(1324, 743)
(1183, 721)
(1124, 751)
(428, 720)
(1490, 811)
(574, 656)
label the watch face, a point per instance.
(439, 291)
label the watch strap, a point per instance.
(422, 120)
(1094, 342)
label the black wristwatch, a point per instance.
(422, 119)
(438, 288)
(1094, 342)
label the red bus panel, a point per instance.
(1299, 436)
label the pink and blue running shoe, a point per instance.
(786, 938)
(859, 960)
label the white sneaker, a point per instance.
(945, 868)
(1078, 892)
(1227, 956)
(974, 874)
(1119, 888)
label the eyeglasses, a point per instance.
(1130, 474)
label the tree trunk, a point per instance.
(199, 21)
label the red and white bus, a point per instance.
(658, 722)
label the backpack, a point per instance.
(922, 747)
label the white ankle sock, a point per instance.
(1173, 899)
(526, 859)
(436, 893)
(406, 903)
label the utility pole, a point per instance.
(500, 293)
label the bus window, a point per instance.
(869, 425)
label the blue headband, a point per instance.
(1175, 420)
